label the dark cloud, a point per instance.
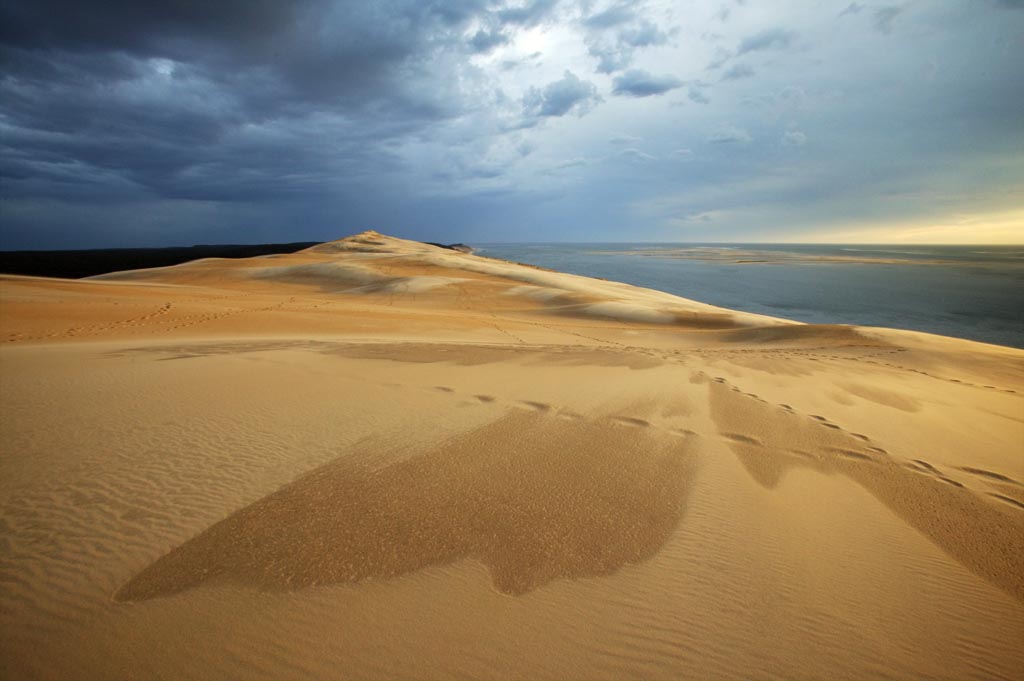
(485, 41)
(530, 59)
(722, 56)
(615, 35)
(695, 93)
(638, 83)
(613, 16)
(139, 123)
(568, 95)
(884, 18)
(348, 51)
(737, 71)
(611, 57)
(166, 28)
(852, 8)
(528, 14)
(772, 39)
(643, 34)
(226, 100)
(205, 104)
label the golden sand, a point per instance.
(382, 459)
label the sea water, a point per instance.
(973, 292)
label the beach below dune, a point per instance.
(375, 459)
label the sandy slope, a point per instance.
(377, 458)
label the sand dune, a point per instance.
(382, 459)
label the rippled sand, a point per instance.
(380, 459)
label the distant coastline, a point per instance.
(749, 255)
(968, 292)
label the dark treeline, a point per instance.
(76, 264)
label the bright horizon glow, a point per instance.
(768, 243)
(1005, 228)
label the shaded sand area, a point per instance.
(382, 459)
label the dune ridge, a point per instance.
(377, 458)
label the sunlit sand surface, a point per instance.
(381, 459)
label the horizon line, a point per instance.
(549, 243)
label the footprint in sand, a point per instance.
(1009, 500)
(981, 472)
(742, 439)
(851, 454)
(631, 421)
(921, 466)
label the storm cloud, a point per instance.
(638, 83)
(570, 94)
(772, 39)
(126, 123)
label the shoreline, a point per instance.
(948, 297)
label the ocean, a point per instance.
(973, 292)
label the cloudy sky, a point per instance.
(128, 123)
